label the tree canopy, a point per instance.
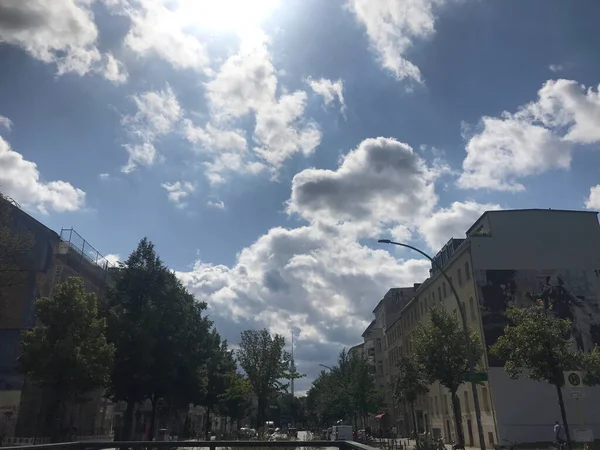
(410, 382)
(67, 352)
(536, 345)
(441, 350)
(266, 363)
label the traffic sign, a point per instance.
(573, 379)
(478, 377)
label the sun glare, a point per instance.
(226, 15)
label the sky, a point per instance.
(264, 146)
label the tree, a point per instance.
(221, 364)
(266, 364)
(67, 353)
(440, 349)
(365, 396)
(235, 402)
(15, 244)
(160, 336)
(409, 384)
(536, 344)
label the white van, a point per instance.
(341, 433)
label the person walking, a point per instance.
(558, 432)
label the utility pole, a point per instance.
(292, 366)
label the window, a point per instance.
(437, 406)
(444, 290)
(467, 404)
(433, 297)
(486, 400)
(445, 404)
(467, 271)
(459, 276)
(464, 311)
(439, 293)
(378, 346)
(472, 308)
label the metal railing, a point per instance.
(211, 445)
(83, 248)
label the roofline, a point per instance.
(528, 209)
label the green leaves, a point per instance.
(410, 382)
(347, 391)
(441, 350)
(68, 351)
(536, 344)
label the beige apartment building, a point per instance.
(509, 258)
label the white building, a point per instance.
(509, 258)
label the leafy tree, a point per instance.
(221, 364)
(162, 340)
(67, 353)
(536, 345)
(131, 323)
(235, 402)
(440, 349)
(409, 384)
(15, 244)
(266, 363)
(348, 391)
(365, 396)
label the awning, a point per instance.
(379, 416)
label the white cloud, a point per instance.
(157, 113)
(319, 281)
(329, 90)
(593, 201)
(20, 179)
(114, 70)
(451, 222)
(381, 182)
(159, 29)
(178, 192)
(113, 259)
(6, 123)
(539, 137)
(392, 26)
(104, 176)
(60, 32)
(556, 67)
(216, 204)
(247, 84)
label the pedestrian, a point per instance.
(558, 431)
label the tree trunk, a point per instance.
(260, 414)
(151, 430)
(563, 414)
(127, 422)
(457, 419)
(414, 421)
(207, 425)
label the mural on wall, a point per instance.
(571, 294)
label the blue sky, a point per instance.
(265, 148)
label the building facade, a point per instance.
(510, 258)
(50, 260)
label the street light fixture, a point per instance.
(463, 317)
(327, 367)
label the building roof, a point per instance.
(497, 211)
(371, 325)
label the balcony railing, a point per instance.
(211, 445)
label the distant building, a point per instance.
(510, 258)
(358, 351)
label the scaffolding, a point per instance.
(73, 241)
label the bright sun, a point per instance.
(226, 15)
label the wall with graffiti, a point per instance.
(571, 294)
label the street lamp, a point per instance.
(327, 367)
(466, 336)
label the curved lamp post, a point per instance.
(327, 367)
(463, 317)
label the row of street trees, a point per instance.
(148, 339)
(346, 392)
(536, 344)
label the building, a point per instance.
(358, 351)
(510, 258)
(51, 259)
